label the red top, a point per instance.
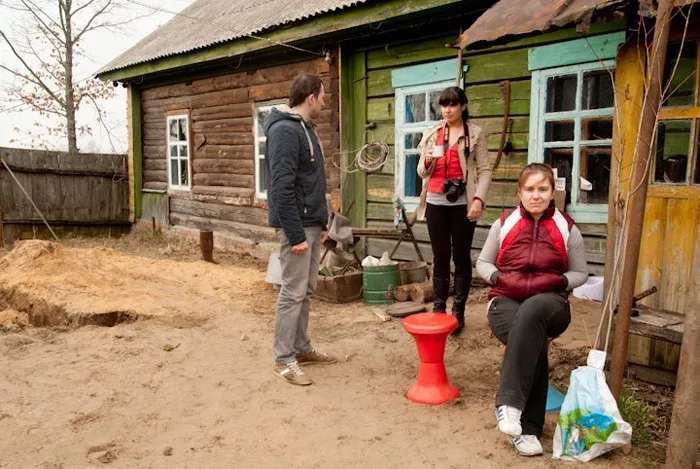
(454, 168)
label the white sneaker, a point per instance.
(526, 445)
(509, 420)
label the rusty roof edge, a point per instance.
(583, 16)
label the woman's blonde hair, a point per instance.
(533, 168)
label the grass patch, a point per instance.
(638, 414)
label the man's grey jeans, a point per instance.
(299, 277)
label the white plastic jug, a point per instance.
(274, 269)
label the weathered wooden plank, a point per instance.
(486, 99)
(232, 111)
(228, 138)
(222, 179)
(232, 152)
(497, 66)
(380, 187)
(379, 83)
(241, 124)
(390, 56)
(216, 211)
(683, 217)
(224, 166)
(380, 109)
(255, 233)
(652, 248)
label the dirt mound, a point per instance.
(58, 285)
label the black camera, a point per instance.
(453, 188)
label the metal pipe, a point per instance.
(638, 194)
(682, 449)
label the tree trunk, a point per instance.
(69, 92)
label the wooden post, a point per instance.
(638, 194)
(460, 61)
(682, 450)
(206, 244)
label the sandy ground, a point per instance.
(184, 380)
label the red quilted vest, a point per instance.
(532, 255)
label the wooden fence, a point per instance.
(78, 194)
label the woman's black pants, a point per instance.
(451, 234)
(525, 328)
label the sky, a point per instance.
(100, 48)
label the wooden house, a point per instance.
(200, 85)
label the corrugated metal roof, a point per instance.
(514, 17)
(209, 22)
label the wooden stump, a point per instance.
(422, 292)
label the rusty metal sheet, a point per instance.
(209, 22)
(516, 17)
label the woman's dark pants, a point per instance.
(525, 328)
(451, 234)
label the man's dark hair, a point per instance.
(302, 87)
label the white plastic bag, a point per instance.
(370, 261)
(589, 422)
(386, 260)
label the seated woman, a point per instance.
(533, 256)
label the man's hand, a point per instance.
(324, 236)
(475, 210)
(300, 248)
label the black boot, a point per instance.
(441, 289)
(460, 300)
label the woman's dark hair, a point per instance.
(455, 96)
(302, 87)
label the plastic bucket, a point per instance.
(378, 284)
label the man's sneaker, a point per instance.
(315, 356)
(509, 420)
(526, 445)
(293, 373)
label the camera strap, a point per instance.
(446, 143)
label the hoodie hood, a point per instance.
(280, 113)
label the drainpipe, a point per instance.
(638, 197)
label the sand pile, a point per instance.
(57, 285)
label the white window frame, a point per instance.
(179, 144)
(401, 129)
(583, 213)
(259, 138)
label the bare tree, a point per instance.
(45, 47)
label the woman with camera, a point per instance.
(456, 173)
(533, 256)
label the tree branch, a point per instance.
(36, 77)
(92, 18)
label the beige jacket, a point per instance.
(476, 171)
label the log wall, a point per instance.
(221, 111)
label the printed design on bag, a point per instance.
(582, 428)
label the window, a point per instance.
(179, 167)
(261, 112)
(417, 109)
(677, 132)
(571, 127)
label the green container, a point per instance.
(378, 284)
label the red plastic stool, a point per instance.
(430, 331)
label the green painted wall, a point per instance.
(486, 68)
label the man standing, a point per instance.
(297, 208)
